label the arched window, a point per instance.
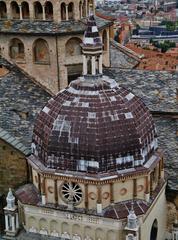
(80, 10)
(154, 230)
(15, 11)
(3, 10)
(104, 40)
(84, 8)
(38, 10)
(63, 11)
(90, 6)
(16, 49)
(73, 47)
(25, 10)
(71, 11)
(41, 52)
(49, 11)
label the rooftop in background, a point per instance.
(156, 88)
(48, 28)
(155, 60)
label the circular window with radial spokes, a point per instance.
(71, 192)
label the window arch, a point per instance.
(90, 6)
(25, 10)
(63, 11)
(84, 8)
(80, 10)
(154, 230)
(73, 47)
(3, 10)
(49, 10)
(15, 11)
(41, 51)
(16, 49)
(38, 10)
(105, 41)
(71, 10)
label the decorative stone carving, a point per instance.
(33, 230)
(43, 231)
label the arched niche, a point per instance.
(111, 235)
(76, 230)
(25, 10)
(90, 6)
(71, 11)
(16, 49)
(41, 51)
(154, 230)
(80, 10)
(15, 11)
(88, 233)
(99, 233)
(63, 11)
(3, 10)
(38, 10)
(48, 10)
(73, 47)
(32, 222)
(84, 8)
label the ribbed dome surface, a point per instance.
(94, 126)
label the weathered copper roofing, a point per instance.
(94, 126)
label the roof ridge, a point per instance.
(13, 141)
(126, 50)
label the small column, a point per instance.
(20, 9)
(39, 183)
(86, 8)
(55, 192)
(112, 192)
(44, 15)
(17, 221)
(99, 204)
(93, 65)
(135, 188)
(67, 13)
(84, 65)
(6, 223)
(9, 12)
(151, 183)
(13, 223)
(86, 197)
(81, 11)
(101, 64)
(147, 192)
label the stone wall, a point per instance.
(13, 168)
(51, 72)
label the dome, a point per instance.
(94, 125)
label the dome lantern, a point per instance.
(92, 50)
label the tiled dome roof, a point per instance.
(94, 126)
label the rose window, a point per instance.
(71, 192)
